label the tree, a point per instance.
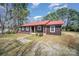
(3, 22)
(2, 25)
(51, 16)
(66, 14)
(20, 11)
(17, 13)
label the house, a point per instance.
(45, 27)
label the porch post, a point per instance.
(44, 30)
(34, 29)
(30, 30)
(21, 29)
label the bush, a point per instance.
(39, 34)
(10, 32)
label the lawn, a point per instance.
(12, 36)
(65, 44)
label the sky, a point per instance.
(38, 10)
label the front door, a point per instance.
(32, 28)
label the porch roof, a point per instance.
(47, 22)
(59, 22)
(36, 23)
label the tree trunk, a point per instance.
(2, 26)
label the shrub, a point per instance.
(10, 32)
(39, 34)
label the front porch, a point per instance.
(32, 29)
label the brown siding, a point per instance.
(46, 29)
(23, 31)
(39, 30)
(57, 30)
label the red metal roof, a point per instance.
(36, 23)
(47, 22)
(59, 22)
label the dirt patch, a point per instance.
(24, 40)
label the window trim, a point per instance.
(22, 28)
(39, 27)
(51, 29)
(26, 28)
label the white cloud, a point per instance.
(59, 7)
(49, 12)
(35, 5)
(54, 4)
(37, 18)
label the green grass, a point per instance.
(12, 36)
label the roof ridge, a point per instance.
(45, 22)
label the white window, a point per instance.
(52, 28)
(19, 29)
(27, 28)
(38, 27)
(22, 28)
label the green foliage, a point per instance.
(39, 34)
(20, 11)
(75, 26)
(16, 14)
(73, 14)
(63, 14)
(59, 14)
(51, 16)
(10, 32)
